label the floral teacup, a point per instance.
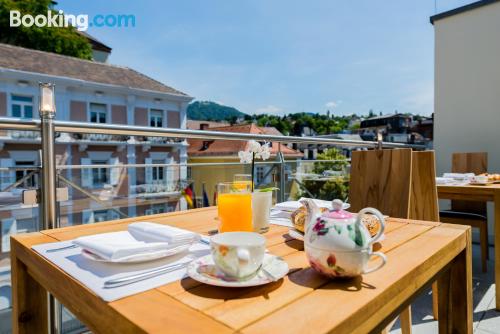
(238, 254)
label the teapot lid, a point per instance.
(337, 212)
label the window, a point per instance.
(22, 106)
(97, 113)
(260, 174)
(156, 118)
(158, 171)
(99, 174)
(156, 209)
(100, 216)
(30, 182)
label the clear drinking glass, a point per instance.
(234, 205)
(261, 206)
(242, 180)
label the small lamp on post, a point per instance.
(380, 139)
(47, 107)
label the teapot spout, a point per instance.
(312, 211)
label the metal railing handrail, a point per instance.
(188, 164)
(134, 130)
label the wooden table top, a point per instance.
(302, 302)
(469, 192)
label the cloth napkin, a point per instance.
(151, 232)
(142, 239)
(294, 205)
(459, 176)
(445, 180)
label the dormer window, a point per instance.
(156, 118)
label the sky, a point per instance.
(281, 56)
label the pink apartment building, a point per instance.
(92, 92)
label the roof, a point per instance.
(386, 116)
(96, 44)
(195, 125)
(41, 62)
(462, 9)
(232, 147)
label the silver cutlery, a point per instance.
(53, 250)
(117, 282)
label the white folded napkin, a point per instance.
(294, 205)
(444, 180)
(151, 232)
(459, 176)
(140, 240)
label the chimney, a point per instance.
(204, 126)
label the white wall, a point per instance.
(467, 86)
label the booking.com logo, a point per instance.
(81, 22)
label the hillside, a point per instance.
(211, 111)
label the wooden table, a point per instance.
(490, 193)
(303, 302)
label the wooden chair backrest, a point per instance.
(424, 199)
(472, 162)
(381, 179)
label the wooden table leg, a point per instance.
(29, 300)
(496, 218)
(455, 294)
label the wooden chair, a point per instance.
(383, 179)
(424, 204)
(469, 212)
(408, 179)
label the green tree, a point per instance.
(61, 40)
(336, 185)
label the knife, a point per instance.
(117, 282)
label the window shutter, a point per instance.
(9, 227)
(88, 217)
(114, 172)
(149, 171)
(86, 173)
(7, 177)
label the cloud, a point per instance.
(333, 104)
(269, 109)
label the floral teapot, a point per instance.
(337, 243)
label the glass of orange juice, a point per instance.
(241, 180)
(234, 204)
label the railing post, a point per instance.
(48, 192)
(281, 159)
(47, 110)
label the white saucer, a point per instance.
(139, 258)
(295, 234)
(204, 270)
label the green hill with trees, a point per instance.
(211, 111)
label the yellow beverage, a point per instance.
(242, 185)
(235, 212)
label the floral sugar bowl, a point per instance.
(337, 243)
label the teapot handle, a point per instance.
(381, 220)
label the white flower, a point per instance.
(265, 152)
(245, 157)
(254, 146)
